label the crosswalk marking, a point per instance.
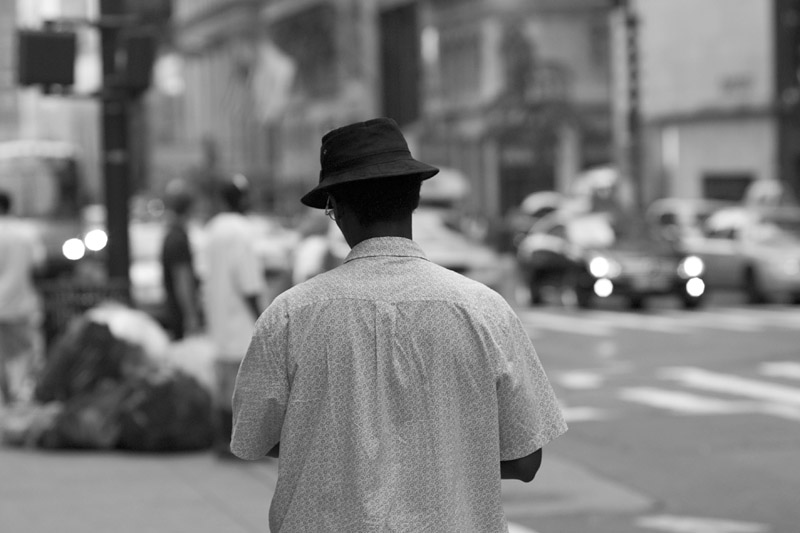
(724, 394)
(780, 369)
(602, 323)
(579, 379)
(583, 414)
(516, 528)
(565, 323)
(730, 384)
(636, 321)
(692, 524)
(715, 320)
(683, 402)
(783, 317)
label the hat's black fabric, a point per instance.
(364, 150)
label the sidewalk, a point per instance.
(114, 492)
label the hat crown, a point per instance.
(350, 145)
(369, 150)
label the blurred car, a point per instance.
(753, 250)
(591, 257)
(681, 220)
(451, 248)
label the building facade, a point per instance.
(719, 97)
(514, 94)
(518, 95)
(9, 118)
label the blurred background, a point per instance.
(624, 172)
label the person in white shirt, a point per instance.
(232, 287)
(21, 253)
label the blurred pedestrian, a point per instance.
(182, 306)
(396, 393)
(232, 287)
(21, 253)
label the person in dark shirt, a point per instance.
(182, 313)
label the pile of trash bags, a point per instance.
(107, 384)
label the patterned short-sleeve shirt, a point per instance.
(395, 388)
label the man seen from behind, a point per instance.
(395, 392)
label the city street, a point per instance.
(692, 417)
(683, 422)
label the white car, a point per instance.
(753, 250)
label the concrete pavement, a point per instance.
(116, 492)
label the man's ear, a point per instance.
(339, 208)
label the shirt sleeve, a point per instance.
(529, 413)
(262, 390)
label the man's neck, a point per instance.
(401, 228)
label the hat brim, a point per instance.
(318, 196)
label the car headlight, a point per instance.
(601, 267)
(96, 240)
(73, 249)
(691, 267)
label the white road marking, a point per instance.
(583, 414)
(683, 402)
(636, 321)
(734, 385)
(688, 524)
(604, 323)
(782, 317)
(516, 528)
(566, 323)
(714, 320)
(780, 369)
(579, 379)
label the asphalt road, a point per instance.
(690, 419)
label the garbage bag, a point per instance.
(89, 420)
(85, 355)
(167, 410)
(132, 325)
(25, 424)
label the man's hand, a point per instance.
(275, 451)
(523, 469)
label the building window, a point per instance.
(460, 60)
(726, 186)
(599, 43)
(309, 38)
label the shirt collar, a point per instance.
(384, 247)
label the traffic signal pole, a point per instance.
(626, 103)
(116, 153)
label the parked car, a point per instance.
(753, 250)
(591, 257)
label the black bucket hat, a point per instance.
(364, 150)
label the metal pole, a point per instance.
(116, 150)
